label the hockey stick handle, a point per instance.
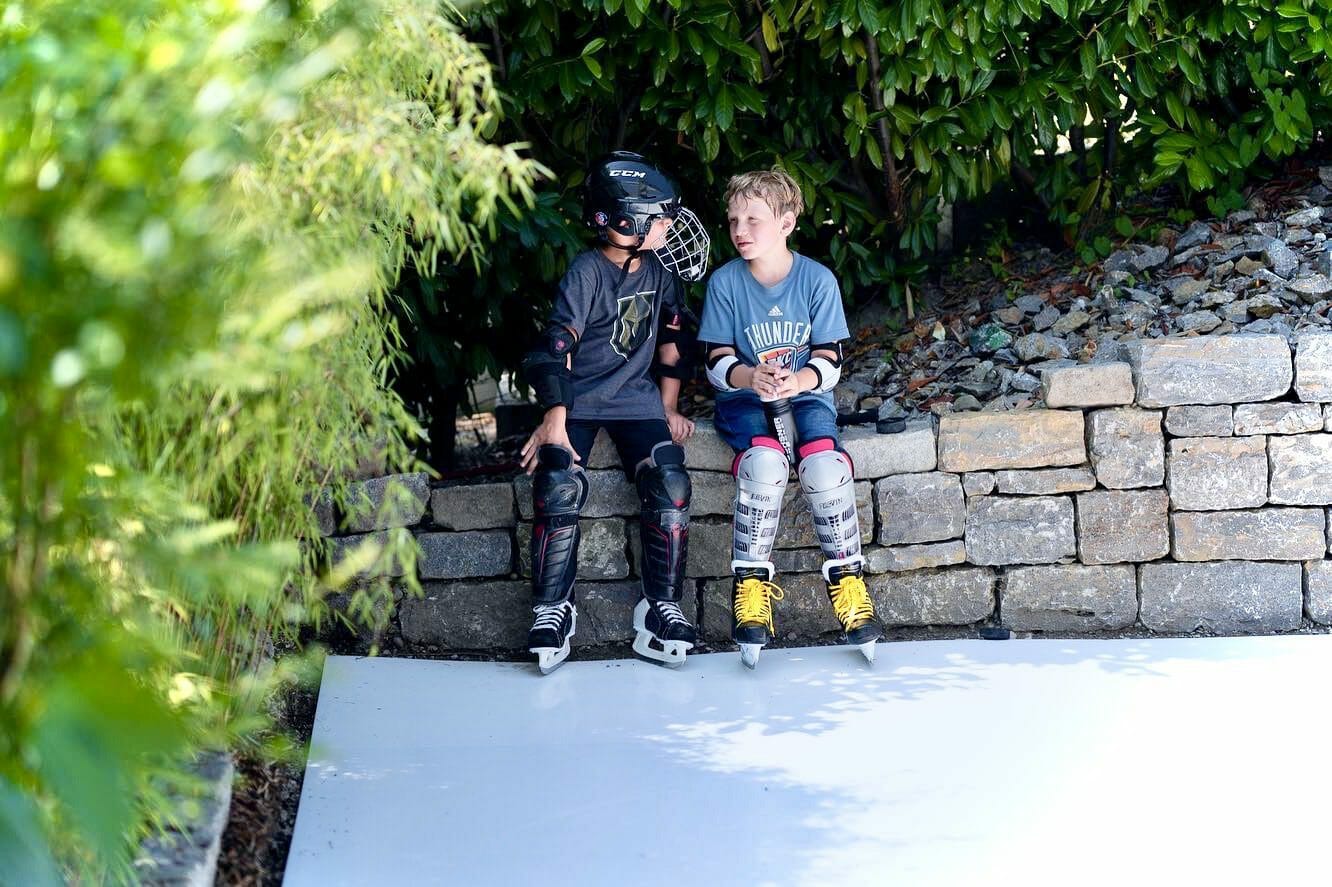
(781, 420)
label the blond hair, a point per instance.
(775, 187)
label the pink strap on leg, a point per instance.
(770, 442)
(817, 445)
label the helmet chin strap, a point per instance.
(632, 253)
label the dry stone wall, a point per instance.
(1185, 488)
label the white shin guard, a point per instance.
(826, 478)
(761, 473)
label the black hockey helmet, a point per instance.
(625, 194)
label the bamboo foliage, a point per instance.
(203, 207)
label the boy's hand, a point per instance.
(550, 431)
(768, 381)
(788, 385)
(681, 428)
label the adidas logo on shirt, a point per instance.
(775, 312)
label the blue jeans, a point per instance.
(739, 420)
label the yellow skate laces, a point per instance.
(753, 602)
(851, 602)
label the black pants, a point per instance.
(633, 438)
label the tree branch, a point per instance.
(499, 50)
(892, 181)
(757, 37)
(1024, 177)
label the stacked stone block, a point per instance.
(1187, 489)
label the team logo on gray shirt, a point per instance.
(633, 322)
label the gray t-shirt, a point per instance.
(617, 334)
(773, 324)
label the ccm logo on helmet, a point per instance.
(627, 174)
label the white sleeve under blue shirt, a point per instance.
(773, 324)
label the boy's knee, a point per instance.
(663, 481)
(559, 486)
(764, 462)
(823, 466)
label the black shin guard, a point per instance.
(559, 490)
(664, 490)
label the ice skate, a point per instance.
(663, 633)
(852, 604)
(752, 594)
(551, 633)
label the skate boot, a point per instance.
(852, 604)
(551, 632)
(752, 594)
(664, 634)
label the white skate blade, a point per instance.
(749, 654)
(867, 649)
(671, 653)
(551, 658)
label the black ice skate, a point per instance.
(664, 634)
(551, 632)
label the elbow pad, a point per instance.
(674, 331)
(546, 370)
(828, 372)
(719, 371)
(684, 370)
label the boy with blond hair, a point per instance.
(773, 323)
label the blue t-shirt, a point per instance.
(773, 324)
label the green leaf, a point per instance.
(24, 856)
(769, 33)
(1200, 177)
(747, 97)
(875, 155)
(869, 16)
(1177, 141)
(921, 155)
(13, 344)
(1088, 58)
(724, 112)
(97, 732)
(851, 134)
(1060, 8)
(1176, 109)
(711, 55)
(711, 144)
(1189, 67)
(593, 65)
(593, 45)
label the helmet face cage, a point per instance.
(684, 249)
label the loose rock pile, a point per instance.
(1256, 271)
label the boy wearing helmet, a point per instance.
(618, 315)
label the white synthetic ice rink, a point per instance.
(1034, 762)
